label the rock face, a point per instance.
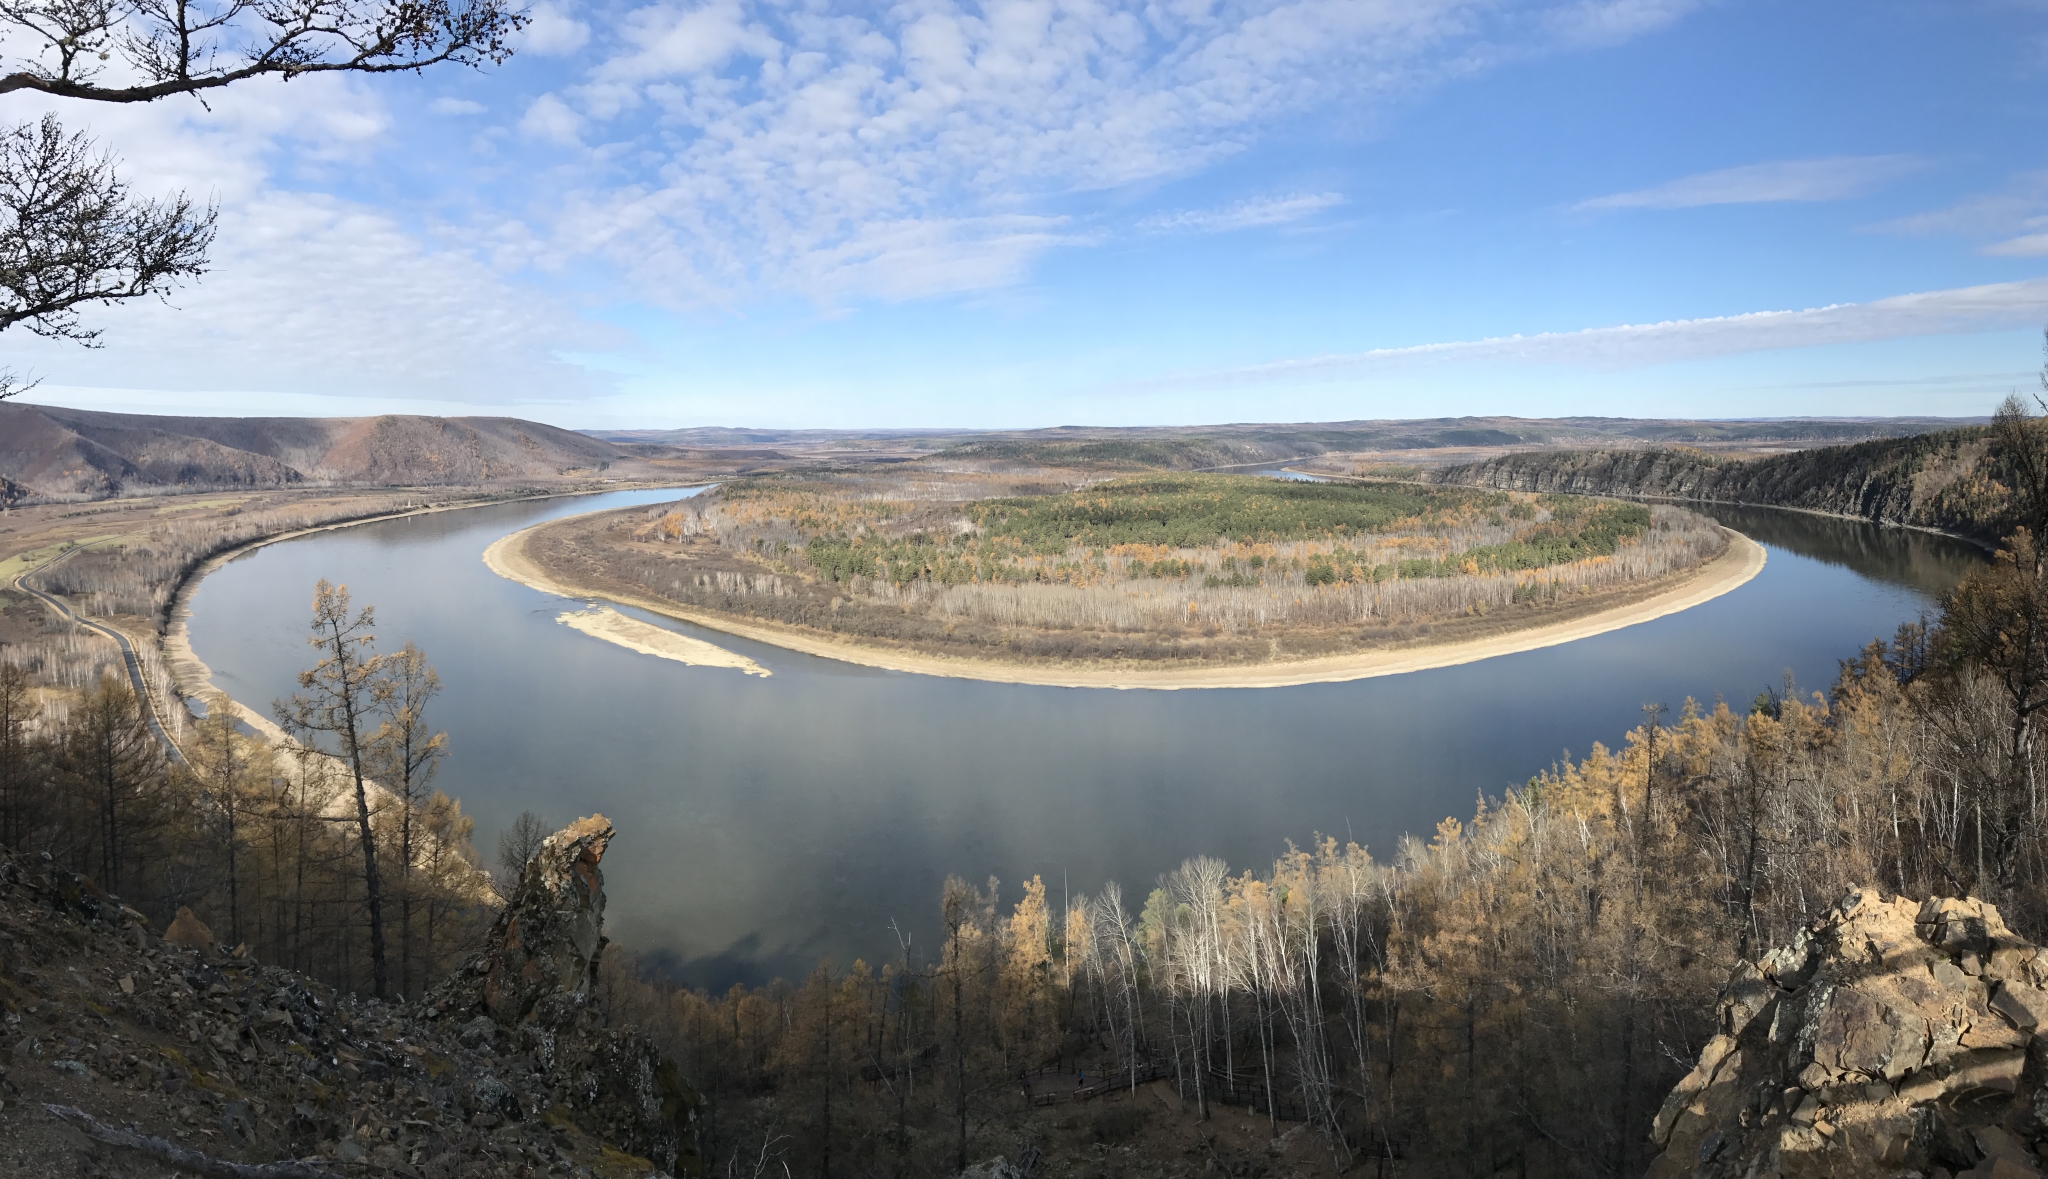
(1949, 480)
(534, 987)
(549, 939)
(1888, 1039)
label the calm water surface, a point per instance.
(765, 823)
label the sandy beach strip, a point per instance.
(603, 622)
(1742, 561)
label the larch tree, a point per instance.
(223, 762)
(20, 799)
(113, 762)
(406, 752)
(340, 699)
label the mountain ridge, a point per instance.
(69, 453)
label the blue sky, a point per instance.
(1044, 212)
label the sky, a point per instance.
(1020, 213)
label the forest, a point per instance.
(1160, 568)
(267, 843)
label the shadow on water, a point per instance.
(768, 823)
(1924, 561)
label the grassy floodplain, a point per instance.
(1052, 566)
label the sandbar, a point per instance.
(1736, 566)
(603, 622)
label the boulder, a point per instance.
(189, 931)
(1888, 1038)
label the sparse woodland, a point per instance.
(244, 833)
(1232, 568)
(1512, 995)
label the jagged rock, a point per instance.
(223, 1061)
(1888, 1039)
(549, 939)
(537, 978)
(190, 931)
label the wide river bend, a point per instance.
(765, 823)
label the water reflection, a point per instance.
(767, 823)
(1925, 561)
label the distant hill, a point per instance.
(67, 452)
(1949, 480)
(1195, 447)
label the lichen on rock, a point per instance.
(1887, 1039)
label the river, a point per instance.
(765, 824)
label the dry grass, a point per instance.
(943, 577)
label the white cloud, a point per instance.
(1249, 214)
(456, 106)
(319, 295)
(1832, 179)
(2031, 245)
(549, 119)
(795, 140)
(551, 32)
(1996, 307)
(2018, 214)
(306, 292)
(1594, 24)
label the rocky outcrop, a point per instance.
(533, 988)
(548, 940)
(122, 1052)
(1890, 1038)
(1950, 481)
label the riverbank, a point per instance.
(1742, 561)
(191, 678)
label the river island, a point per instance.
(1151, 581)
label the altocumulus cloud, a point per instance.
(843, 151)
(1250, 214)
(309, 292)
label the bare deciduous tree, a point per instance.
(406, 753)
(516, 845)
(72, 235)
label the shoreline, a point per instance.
(1742, 561)
(191, 678)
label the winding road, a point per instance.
(128, 655)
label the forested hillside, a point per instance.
(1247, 443)
(1955, 481)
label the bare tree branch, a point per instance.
(181, 47)
(72, 235)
